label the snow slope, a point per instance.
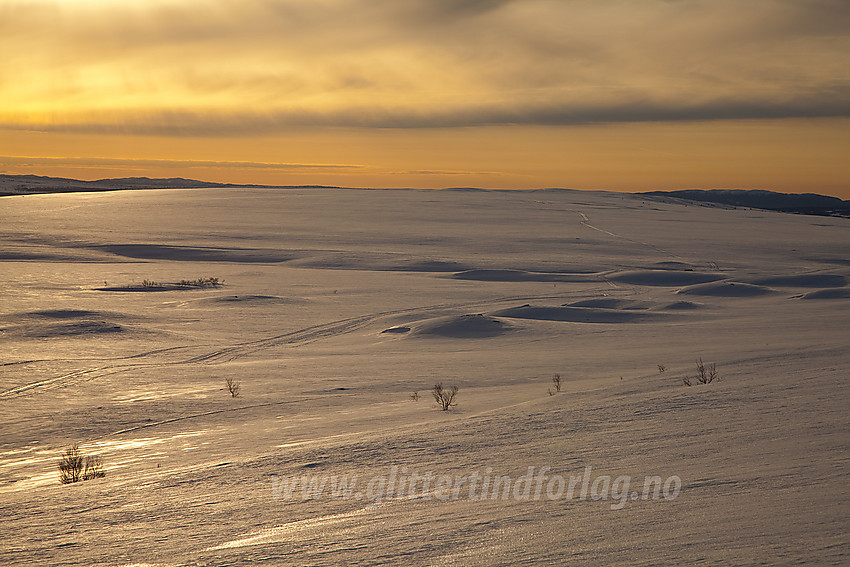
(337, 305)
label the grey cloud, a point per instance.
(424, 11)
(445, 63)
(253, 123)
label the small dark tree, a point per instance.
(71, 465)
(232, 386)
(706, 374)
(445, 397)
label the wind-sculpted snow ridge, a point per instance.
(374, 261)
(610, 303)
(833, 293)
(681, 306)
(53, 323)
(252, 299)
(575, 314)
(196, 254)
(59, 314)
(803, 280)
(727, 289)
(475, 326)
(509, 275)
(302, 258)
(664, 278)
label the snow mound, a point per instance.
(681, 306)
(463, 327)
(834, 293)
(673, 265)
(70, 329)
(63, 323)
(727, 289)
(396, 330)
(375, 262)
(197, 254)
(427, 266)
(571, 314)
(251, 299)
(68, 314)
(609, 303)
(664, 278)
(522, 276)
(804, 280)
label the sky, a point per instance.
(620, 95)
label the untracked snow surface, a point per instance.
(337, 311)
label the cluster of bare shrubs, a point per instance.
(75, 467)
(201, 282)
(706, 374)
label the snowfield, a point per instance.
(340, 307)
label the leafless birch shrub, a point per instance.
(232, 386)
(75, 467)
(445, 398)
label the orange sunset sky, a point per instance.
(588, 94)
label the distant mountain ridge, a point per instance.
(32, 184)
(800, 203)
(35, 184)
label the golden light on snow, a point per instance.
(338, 304)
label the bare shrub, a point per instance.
(706, 374)
(445, 397)
(93, 467)
(71, 465)
(414, 396)
(232, 386)
(75, 467)
(662, 369)
(556, 380)
(150, 283)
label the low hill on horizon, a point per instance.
(34, 184)
(39, 184)
(799, 203)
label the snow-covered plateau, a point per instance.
(336, 311)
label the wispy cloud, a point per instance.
(130, 163)
(215, 67)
